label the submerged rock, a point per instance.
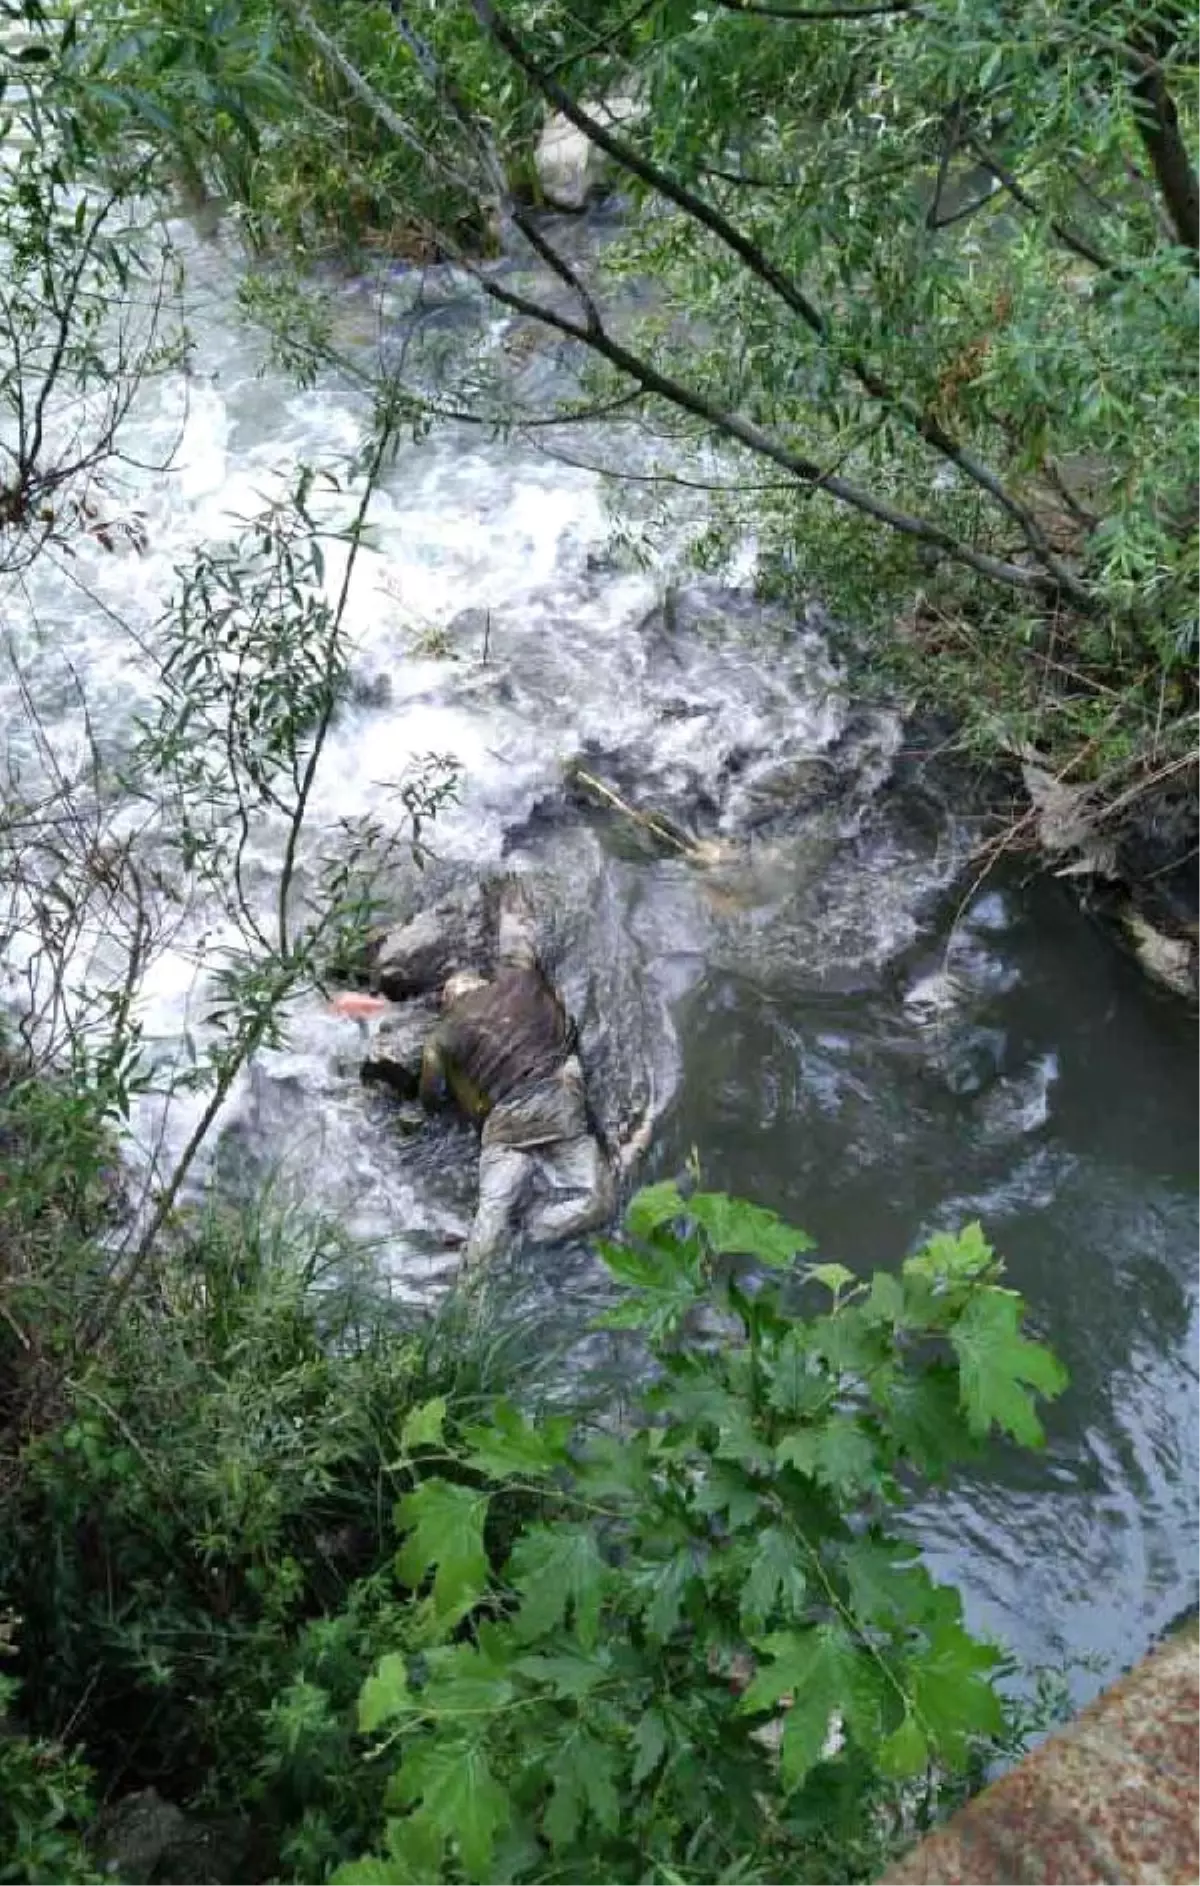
(393, 1057)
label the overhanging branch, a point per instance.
(760, 266)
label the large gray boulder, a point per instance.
(415, 958)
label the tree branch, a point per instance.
(1158, 123)
(788, 291)
(769, 11)
(805, 471)
(1077, 244)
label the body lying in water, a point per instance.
(503, 1052)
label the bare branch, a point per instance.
(768, 11)
(1158, 122)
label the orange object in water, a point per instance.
(358, 1007)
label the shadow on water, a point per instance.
(1056, 1101)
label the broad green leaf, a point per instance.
(889, 1586)
(739, 1229)
(884, 1302)
(818, 1669)
(798, 1385)
(584, 1770)
(445, 1526)
(849, 1342)
(924, 1417)
(703, 1403)
(650, 1741)
(905, 1751)
(775, 1580)
(509, 1445)
(458, 1795)
(958, 1257)
(952, 1694)
(724, 1488)
(423, 1426)
(653, 1206)
(835, 1277)
(997, 1366)
(561, 1674)
(670, 1583)
(837, 1452)
(464, 1679)
(640, 1268)
(385, 1693)
(373, 1871)
(553, 1569)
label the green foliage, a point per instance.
(196, 1528)
(943, 282)
(704, 1649)
(45, 1806)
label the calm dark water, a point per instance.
(1058, 1104)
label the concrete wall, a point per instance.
(1113, 1796)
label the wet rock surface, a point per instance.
(143, 1839)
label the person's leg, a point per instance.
(504, 1175)
(576, 1192)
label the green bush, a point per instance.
(705, 1652)
(192, 1523)
(45, 1804)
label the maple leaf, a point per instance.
(997, 1367)
(553, 1568)
(445, 1526)
(775, 1577)
(821, 1669)
(952, 1696)
(385, 1693)
(739, 1229)
(458, 1795)
(838, 1453)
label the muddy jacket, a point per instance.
(497, 1043)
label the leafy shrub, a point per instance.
(192, 1528)
(704, 1652)
(45, 1804)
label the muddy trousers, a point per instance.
(547, 1193)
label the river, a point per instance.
(839, 1020)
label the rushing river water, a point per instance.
(825, 1009)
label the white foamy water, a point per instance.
(508, 642)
